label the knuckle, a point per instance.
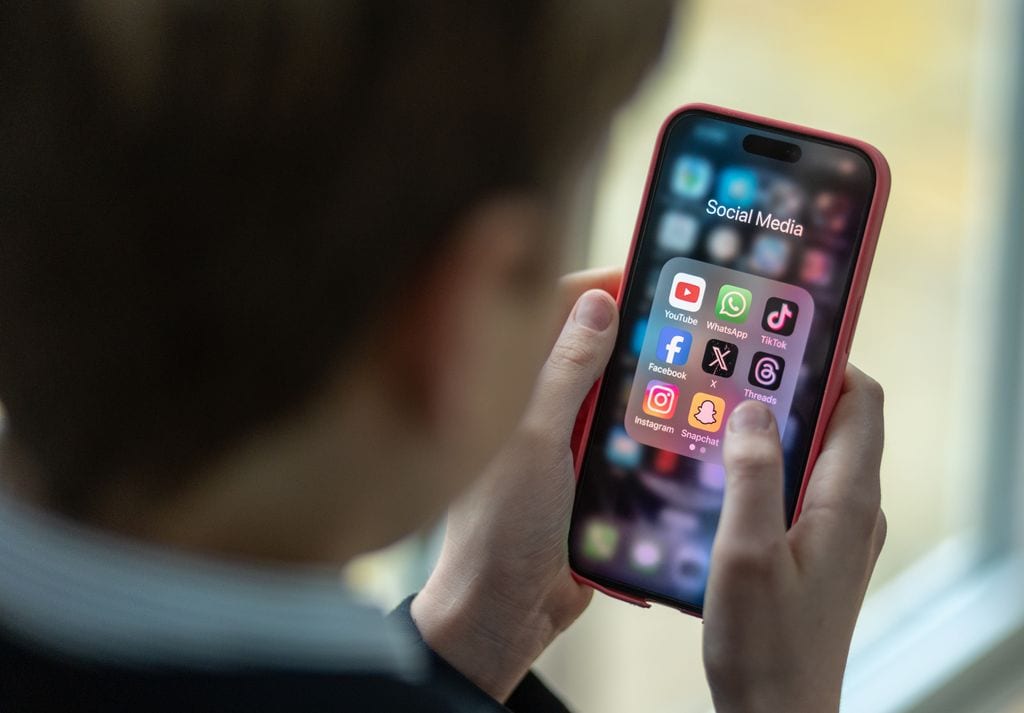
(855, 516)
(571, 354)
(747, 561)
(874, 392)
(862, 516)
(535, 437)
(753, 456)
(881, 531)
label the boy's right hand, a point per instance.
(781, 606)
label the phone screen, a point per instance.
(737, 289)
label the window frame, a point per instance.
(947, 635)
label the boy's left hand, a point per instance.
(502, 589)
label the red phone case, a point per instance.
(834, 384)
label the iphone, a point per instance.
(744, 281)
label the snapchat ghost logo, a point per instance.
(706, 412)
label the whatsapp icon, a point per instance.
(733, 303)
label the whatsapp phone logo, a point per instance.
(733, 303)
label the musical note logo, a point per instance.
(777, 319)
(780, 316)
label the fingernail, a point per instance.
(595, 310)
(750, 416)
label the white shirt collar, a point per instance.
(89, 594)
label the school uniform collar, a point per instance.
(93, 595)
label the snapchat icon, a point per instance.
(706, 412)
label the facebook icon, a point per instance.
(674, 345)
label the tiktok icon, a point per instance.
(780, 316)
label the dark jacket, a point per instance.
(36, 680)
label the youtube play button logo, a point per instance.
(687, 292)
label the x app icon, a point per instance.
(720, 358)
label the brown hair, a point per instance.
(199, 200)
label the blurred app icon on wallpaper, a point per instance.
(677, 232)
(636, 340)
(651, 283)
(665, 462)
(677, 524)
(622, 450)
(646, 554)
(711, 133)
(625, 389)
(817, 268)
(711, 476)
(600, 540)
(724, 244)
(791, 435)
(737, 187)
(689, 566)
(783, 198)
(769, 255)
(831, 212)
(691, 176)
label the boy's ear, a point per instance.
(471, 313)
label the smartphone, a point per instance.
(744, 281)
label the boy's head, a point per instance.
(328, 226)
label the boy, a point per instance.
(277, 284)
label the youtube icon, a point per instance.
(687, 292)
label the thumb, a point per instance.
(752, 514)
(576, 361)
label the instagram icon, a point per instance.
(660, 399)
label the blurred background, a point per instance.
(937, 87)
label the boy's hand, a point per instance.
(781, 606)
(502, 589)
